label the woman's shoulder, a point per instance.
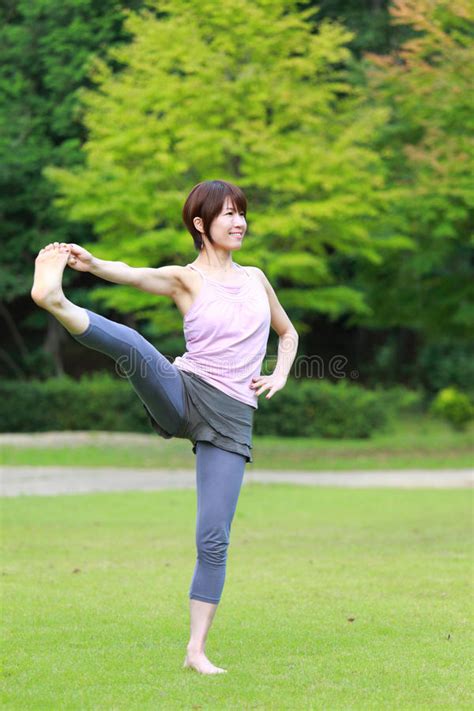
(188, 276)
(256, 271)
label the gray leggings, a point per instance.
(219, 473)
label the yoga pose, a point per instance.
(208, 395)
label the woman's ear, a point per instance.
(197, 222)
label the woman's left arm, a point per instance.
(287, 344)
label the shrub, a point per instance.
(400, 400)
(96, 402)
(319, 408)
(446, 364)
(453, 406)
(304, 408)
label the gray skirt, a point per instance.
(210, 415)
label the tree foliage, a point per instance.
(358, 172)
(255, 94)
(428, 148)
(44, 50)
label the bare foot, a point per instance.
(49, 267)
(199, 662)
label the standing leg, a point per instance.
(219, 477)
(156, 381)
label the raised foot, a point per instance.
(49, 267)
(201, 664)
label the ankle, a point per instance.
(50, 301)
(56, 300)
(195, 648)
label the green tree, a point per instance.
(246, 91)
(368, 20)
(428, 148)
(44, 50)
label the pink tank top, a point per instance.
(226, 332)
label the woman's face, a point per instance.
(228, 228)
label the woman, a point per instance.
(209, 394)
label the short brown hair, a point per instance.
(205, 201)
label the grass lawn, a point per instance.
(334, 599)
(414, 442)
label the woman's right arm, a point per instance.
(164, 281)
